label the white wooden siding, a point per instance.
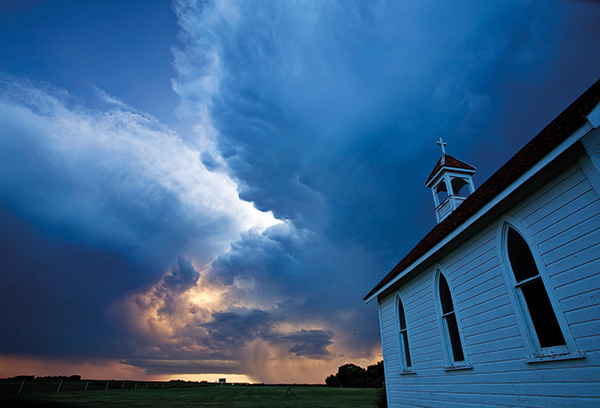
(563, 217)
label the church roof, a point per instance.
(571, 119)
(449, 161)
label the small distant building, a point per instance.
(222, 381)
(499, 304)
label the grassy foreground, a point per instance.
(198, 397)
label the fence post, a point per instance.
(123, 386)
(20, 388)
(86, 386)
(135, 388)
(106, 389)
(59, 385)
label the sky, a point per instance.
(198, 189)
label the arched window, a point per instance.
(403, 338)
(449, 323)
(532, 294)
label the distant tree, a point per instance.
(351, 375)
(22, 377)
(375, 375)
(332, 381)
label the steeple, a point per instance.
(451, 181)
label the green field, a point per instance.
(239, 396)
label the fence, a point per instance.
(28, 385)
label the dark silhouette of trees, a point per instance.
(351, 375)
(375, 376)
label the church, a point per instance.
(499, 304)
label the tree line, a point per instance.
(351, 375)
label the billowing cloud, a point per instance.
(310, 342)
(260, 308)
(326, 113)
(96, 204)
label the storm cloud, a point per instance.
(243, 241)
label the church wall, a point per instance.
(562, 219)
(387, 318)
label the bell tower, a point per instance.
(451, 181)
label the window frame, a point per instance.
(448, 349)
(403, 339)
(536, 353)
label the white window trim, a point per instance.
(535, 353)
(450, 364)
(400, 339)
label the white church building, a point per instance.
(499, 304)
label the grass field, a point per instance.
(213, 396)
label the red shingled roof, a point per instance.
(449, 161)
(559, 129)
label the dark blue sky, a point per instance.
(212, 187)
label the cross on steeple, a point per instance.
(442, 144)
